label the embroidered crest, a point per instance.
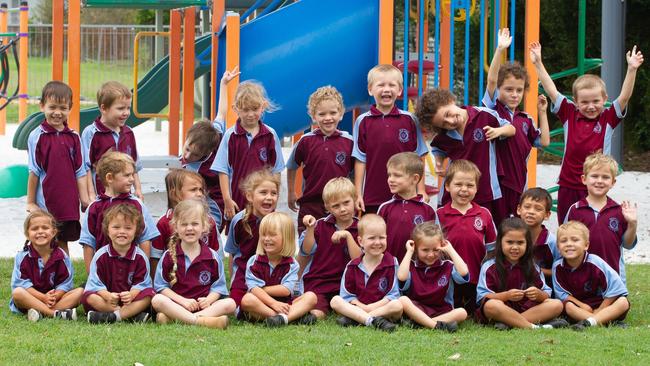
(263, 156)
(205, 239)
(613, 224)
(598, 128)
(204, 277)
(403, 135)
(418, 219)
(130, 279)
(443, 281)
(52, 279)
(478, 223)
(383, 284)
(340, 157)
(587, 286)
(478, 135)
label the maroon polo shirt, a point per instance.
(515, 279)
(324, 272)
(118, 273)
(470, 234)
(196, 280)
(542, 250)
(54, 273)
(379, 283)
(160, 243)
(260, 267)
(242, 246)
(474, 146)
(606, 229)
(210, 176)
(582, 137)
(58, 157)
(323, 158)
(377, 137)
(401, 216)
(432, 286)
(95, 217)
(98, 139)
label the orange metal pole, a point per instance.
(445, 52)
(3, 29)
(218, 9)
(57, 39)
(74, 60)
(530, 98)
(22, 57)
(174, 79)
(297, 187)
(386, 32)
(188, 69)
(232, 60)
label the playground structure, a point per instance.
(268, 50)
(9, 43)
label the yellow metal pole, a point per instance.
(136, 59)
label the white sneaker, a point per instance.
(33, 315)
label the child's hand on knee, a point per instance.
(114, 299)
(203, 302)
(126, 297)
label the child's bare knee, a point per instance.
(335, 302)
(157, 301)
(18, 293)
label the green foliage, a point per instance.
(59, 342)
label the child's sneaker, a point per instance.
(141, 317)
(66, 314)
(344, 321)
(275, 321)
(307, 319)
(557, 323)
(450, 327)
(33, 315)
(501, 326)
(98, 317)
(619, 324)
(384, 324)
(581, 325)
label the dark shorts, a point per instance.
(371, 209)
(465, 297)
(519, 306)
(323, 301)
(565, 198)
(142, 295)
(509, 202)
(68, 231)
(433, 311)
(314, 208)
(496, 208)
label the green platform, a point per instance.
(13, 181)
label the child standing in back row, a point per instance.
(380, 133)
(407, 208)
(588, 125)
(324, 153)
(247, 146)
(506, 85)
(110, 132)
(57, 175)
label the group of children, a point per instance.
(402, 261)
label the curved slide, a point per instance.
(292, 51)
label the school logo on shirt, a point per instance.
(204, 277)
(478, 223)
(403, 135)
(443, 281)
(478, 135)
(598, 128)
(524, 128)
(587, 286)
(130, 278)
(340, 157)
(418, 219)
(263, 155)
(383, 284)
(52, 279)
(613, 224)
(205, 240)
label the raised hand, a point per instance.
(629, 211)
(309, 221)
(542, 103)
(634, 58)
(229, 75)
(339, 236)
(505, 39)
(410, 246)
(535, 50)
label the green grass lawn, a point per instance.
(58, 342)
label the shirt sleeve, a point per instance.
(615, 286)
(221, 162)
(301, 241)
(146, 281)
(279, 157)
(159, 282)
(295, 158)
(79, 160)
(86, 237)
(219, 125)
(482, 288)
(359, 148)
(219, 285)
(66, 285)
(86, 140)
(343, 292)
(406, 285)
(422, 148)
(232, 246)
(490, 234)
(551, 241)
(289, 280)
(94, 283)
(558, 290)
(17, 279)
(150, 229)
(544, 287)
(458, 278)
(32, 143)
(490, 102)
(393, 293)
(562, 107)
(253, 281)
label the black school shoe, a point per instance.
(307, 319)
(618, 324)
(557, 323)
(140, 318)
(66, 314)
(384, 324)
(275, 321)
(501, 326)
(450, 327)
(581, 325)
(344, 321)
(98, 317)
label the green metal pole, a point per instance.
(582, 14)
